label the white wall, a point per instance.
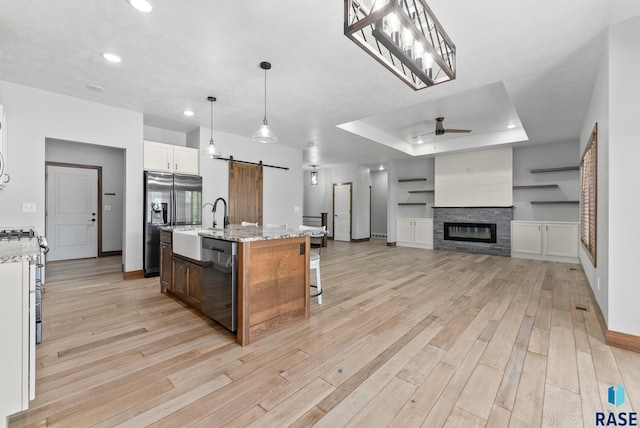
(379, 185)
(112, 162)
(34, 115)
(598, 111)
(624, 153)
(160, 135)
(550, 155)
(282, 190)
(613, 106)
(474, 179)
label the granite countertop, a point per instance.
(183, 228)
(19, 250)
(239, 233)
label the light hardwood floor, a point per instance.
(404, 338)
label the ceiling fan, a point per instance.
(440, 129)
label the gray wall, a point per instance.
(379, 181)
(113, 173)
(398, 192)
(539, 156)
(159, 135)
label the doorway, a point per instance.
(73, 222)
(342, 212)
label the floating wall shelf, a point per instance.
(421, 191)
(553, 202)
(406, 180)
(560, 168)
(412, 203)
(537, 186)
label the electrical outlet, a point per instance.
(28, 207)
(296, 209)
(598, 284)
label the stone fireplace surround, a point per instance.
(501, 216)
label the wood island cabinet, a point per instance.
(166, 253)
(272, 282)
(187, 281)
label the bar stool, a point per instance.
(314, 258)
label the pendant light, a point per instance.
(314, 176)
(212, 151)
(264, 134)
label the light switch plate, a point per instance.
(28, 207)
(107, 207)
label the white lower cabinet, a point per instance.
(414, 232)
(15, 337)
(555, 241)
(526, 237)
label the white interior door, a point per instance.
(72, 213)
(342, 212)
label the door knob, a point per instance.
(93, 219)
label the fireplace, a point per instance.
(482, 230)
(470, 232)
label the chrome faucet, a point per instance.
(225, 218)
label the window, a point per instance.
(588, 195)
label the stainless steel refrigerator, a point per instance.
(169, 200)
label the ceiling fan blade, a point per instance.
(459, 131)
(423, 135)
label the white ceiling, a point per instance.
(528, 62)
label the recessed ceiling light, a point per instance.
(420, 141)
(188, 113)
(111, 57)
(141, 5)
(381, 168)
(95, 88)
(511, 126)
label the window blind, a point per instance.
(588, 196)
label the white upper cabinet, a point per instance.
(158, 156)
(4, 155)
(170, 158)
(186, 160)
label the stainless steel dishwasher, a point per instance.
(220, 282)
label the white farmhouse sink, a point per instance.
(187, 243)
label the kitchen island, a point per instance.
(271, 268)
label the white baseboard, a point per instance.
(545, 257)
(413, 245)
